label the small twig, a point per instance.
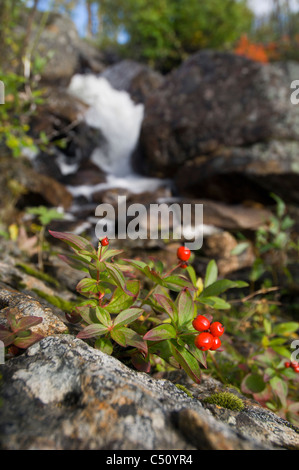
(262, 291)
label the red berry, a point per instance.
(287, 364)
(183, 253)
(204, 341)
(296, 369)
(216, 343)
(294, 364)
(217, 329)
(201, 323)
(105, 241)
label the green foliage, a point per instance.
(226, 400)
(147, 322)
(45, 214)
(20, 333)
(164, 32)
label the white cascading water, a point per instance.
(119, 119)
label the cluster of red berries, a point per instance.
(210, 333)
(104, 241)
(293, 364)
(183, 255)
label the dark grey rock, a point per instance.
(75, 397)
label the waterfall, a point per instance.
(119, 119)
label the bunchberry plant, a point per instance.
(143, 321)
(19, 333)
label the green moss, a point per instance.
(58, 302)
(226, 400)
(38, 274)
(184, 389)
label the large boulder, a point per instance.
(225, 128)
(139, 80)
(64, 51)
(74, 397)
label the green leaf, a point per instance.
(128, 316)
(75, 262)
(200, 356)
(267, 326)
(27, 341)
(88, 285)
(215, 302)
(118, 277)
(185, 307)
(74, 241)
(211, 273)
(28, 322)
(110, 254)
(218, 287)
(121, 300)
(104, 345)
(139, 265)
(168, 305)
(240, 248)
(118, 334)
(103, 316)
(286, 328)
(92, 331)
(160, 333)
(281, 350)
(153, 275)
(191, 271)
(177, 282)
(134, 339)
(6, 336)
(280, 389)
(186, 360)
(254, 383)
(140, 363)
(281, 207)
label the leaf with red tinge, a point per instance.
(141, 364)
(186, 360)
(118, 278)
(26, 323)
(135, 340)
(74, 262)
(185, 307)
(6, 336)
(160, 333)
(128, 316)
(74, 241)
(167, 305)
(177, 282)
(27, 341)
(92, 331)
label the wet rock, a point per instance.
(88, 174)
(135, 78)
(225, 128)
(237, 174)
(75, 397)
